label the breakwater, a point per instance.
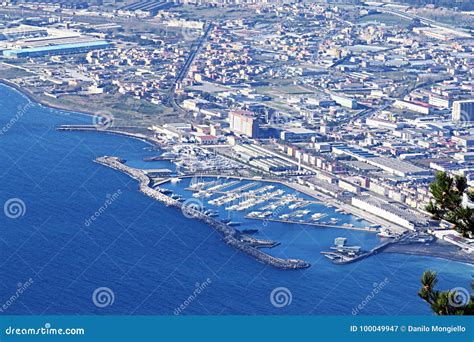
(125, 131)
(230, 235)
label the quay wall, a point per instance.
(231, 235)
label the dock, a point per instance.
(231, 236)
(342, 258)
(245, 187)
(314, 224)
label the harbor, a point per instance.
(231, 203)
(231, 236)
(272, 202)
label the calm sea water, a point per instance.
(150, 256)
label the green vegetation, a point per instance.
(447, 194)
(452, 302)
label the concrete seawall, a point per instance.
(230, 235)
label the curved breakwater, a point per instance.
(230, 235)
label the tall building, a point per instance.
(463, 111)
(244, 122)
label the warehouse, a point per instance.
(62, 49)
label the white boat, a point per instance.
(317, 216)
(386, 234)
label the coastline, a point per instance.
(436, 249)
(441, 250)
(118, 131)
(31, 97)
(231, 236)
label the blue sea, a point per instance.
(152, 259)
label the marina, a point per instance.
(231, 236)
(267, 202)
(272, 205)
(231, 204)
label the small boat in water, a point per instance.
(317, 216)
(211, 213)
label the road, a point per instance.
(422, 20)
(195, 50)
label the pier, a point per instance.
(341, 258)
(314, 224)
(131, 132)
(230, 235)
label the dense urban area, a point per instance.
(369, 104)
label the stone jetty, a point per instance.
(230, 235)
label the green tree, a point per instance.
(447, 194)
(464, 218)
(440, 189)
(453, 302)
(460, 182)
(433, 209)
